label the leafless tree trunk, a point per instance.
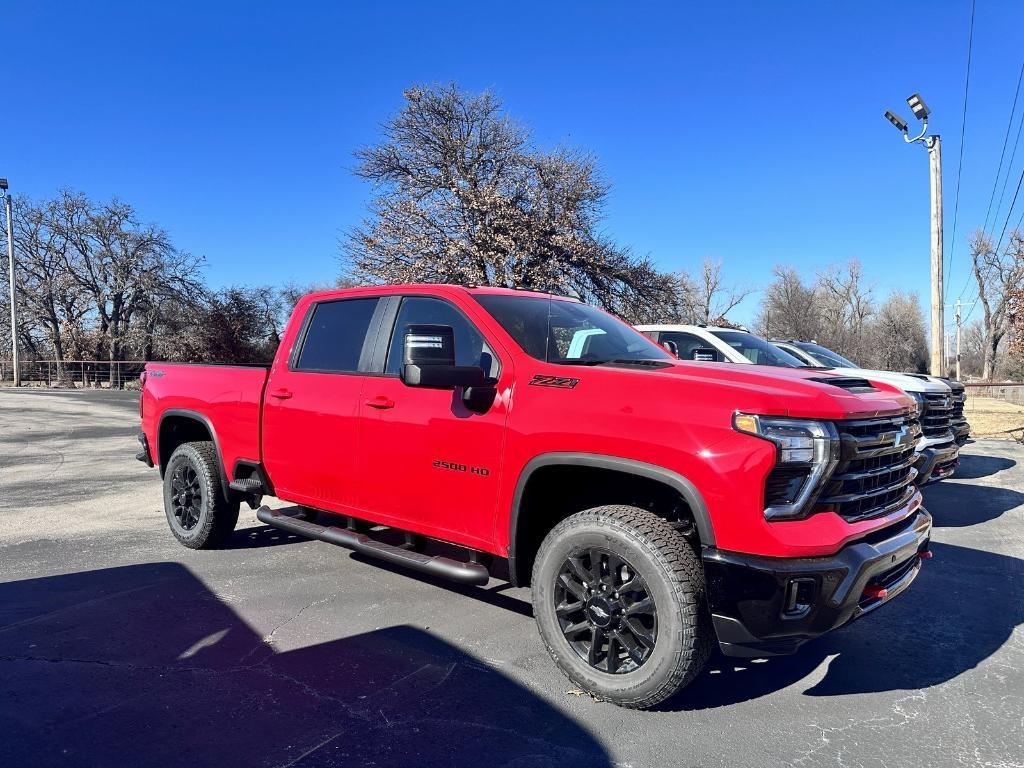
(996, 275)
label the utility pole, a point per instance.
(934, 145)
(958, 339)
(8, 208)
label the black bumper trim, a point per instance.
(937, 462)
(748, 593)
(143, 455)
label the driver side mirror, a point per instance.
(671, 347)
(429, 360)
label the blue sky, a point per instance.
(751, 132)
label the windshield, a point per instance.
(824, 356)
(566, 332)
(757, 350)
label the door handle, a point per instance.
(281, 394)
(381, 402)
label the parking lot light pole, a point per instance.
(9, 210)
(934, 146)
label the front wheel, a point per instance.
(619, 599)
(197, 512)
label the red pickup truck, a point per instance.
(655, 506)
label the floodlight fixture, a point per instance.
(918, 107)
(896, 120)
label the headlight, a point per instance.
(918, 403)
(806, 453)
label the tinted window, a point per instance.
(470, 347)
(334, 338)
(685, 343)
(824, 355)
(757, 350)
(567, 332)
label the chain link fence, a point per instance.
(77, 374)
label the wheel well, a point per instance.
(175, 430)
(553, 493)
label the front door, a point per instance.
(312, 406)
(431, 465)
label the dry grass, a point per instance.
(994, 418)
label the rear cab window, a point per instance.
(335, 336)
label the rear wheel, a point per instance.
(197, 512)
(620, 603)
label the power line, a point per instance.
(1009, 167)
(1002, 154)
(960, 162)
(1009, 213)
(999, 242)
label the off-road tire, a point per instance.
(216, 515)
(673, 574)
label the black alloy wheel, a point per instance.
(605, 611)
(187, 501)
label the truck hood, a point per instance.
(904, 381)
(796, 392)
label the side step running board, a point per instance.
(444, 567)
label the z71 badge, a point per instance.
(562, 382)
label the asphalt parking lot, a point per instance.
(120, 647)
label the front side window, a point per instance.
(566, 332)
(757, 350)
(685, 343)
(335, 335)
(824, 355)
(470, 346)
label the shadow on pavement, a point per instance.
(960, 610)
(143, 665)
(955, 505)
(261, 536)
(974, 466)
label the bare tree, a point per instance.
(897, 335)
(48, 294)
(845, 305)
(463, 198)
(996, 274)
(128, 270)
(789, 309)
(706, 298)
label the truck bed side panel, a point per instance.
(228, 397)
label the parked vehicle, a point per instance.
(812, 353)
(938, 452)
(654, 506)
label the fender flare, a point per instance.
(205, 421)
(674, 480)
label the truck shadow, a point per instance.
(956, 505)
(143, 665)
(961, 609)
(974, 466)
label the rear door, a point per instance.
(431, 465)
(312, 404)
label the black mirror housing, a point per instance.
(705, 355)
(442, 376)
(429, 360)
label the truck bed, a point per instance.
(227, 397)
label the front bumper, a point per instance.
(937, 459)
(766, 606)
(961, 431)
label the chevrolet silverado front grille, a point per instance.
(936, 414)
(875, 472)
